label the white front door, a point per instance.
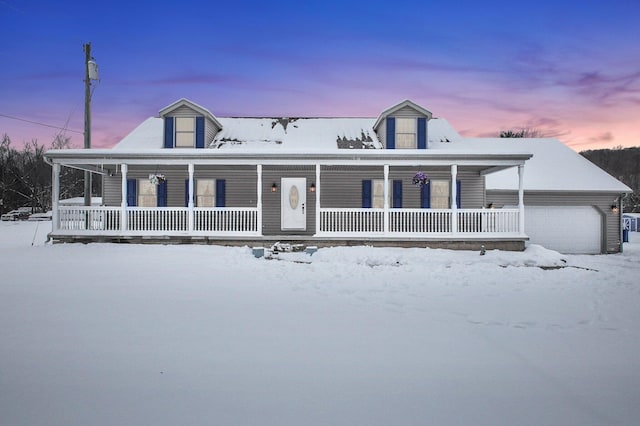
(293, 204)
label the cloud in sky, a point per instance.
(484, 66)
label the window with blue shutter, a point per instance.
(162, 194)
(422, 133)
(397, 194)
(391, 133)
(131, 192)
(458, 198)
(425, 196)
(366, 194)
(168, 132)
(199, 132)
(220, 192)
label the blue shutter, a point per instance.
(366, 194)
(397, 194)
(131, 192)
(458, 186)
(391, 133)
(168, 132)
(220, 192)
(199, 132)
(425, 196)
(186, 192)
(422, 133)
(161, 194)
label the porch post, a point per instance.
(55, 197)
(190, 199)
(317, 198)
(521, 198)
(123, 204)
(259, 194)
(386, 198)
(454, 197)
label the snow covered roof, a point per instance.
(286, 134)
(295, 134)
(148, 135)
(553, 167)
(79, 201)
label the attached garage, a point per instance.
(571, 205)
(567, 229)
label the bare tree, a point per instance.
(525, 132)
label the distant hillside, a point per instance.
(624, 165)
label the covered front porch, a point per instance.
(328, 222)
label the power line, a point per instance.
(40, 124)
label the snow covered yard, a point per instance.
(106, 334)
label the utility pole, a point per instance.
(87, 120)
(91, 73)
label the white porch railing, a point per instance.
(495, 221)
(140, 220)
(226, 219)
(351, 220)
(167, 219)
(419, 221)
(244, 221)
(88, 218)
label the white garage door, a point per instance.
(571, 230)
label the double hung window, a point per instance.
(185, 132)
(405, 133)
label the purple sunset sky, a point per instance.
(570, 69)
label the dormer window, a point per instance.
(185, 132)
(405, 133)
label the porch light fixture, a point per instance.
(614, 208)
(274, 187)
(312, 188)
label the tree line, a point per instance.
(624, 165)
(25, 178)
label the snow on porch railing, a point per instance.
(351, 220)
(226, 219)
(89, 218)
(488, 220)
(419, 220)
(165, 219)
